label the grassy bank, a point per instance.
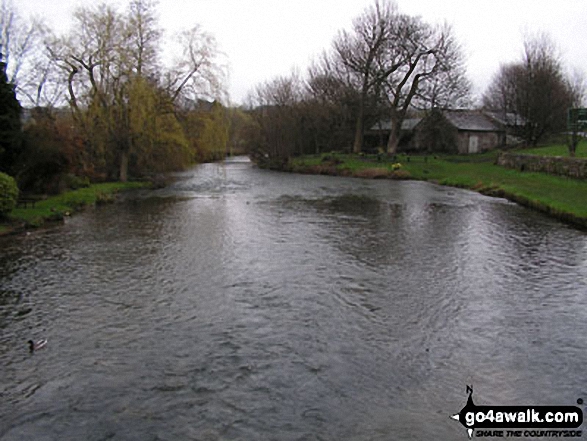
(56, 207)
(558, 196)
(558, 150)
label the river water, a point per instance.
(243, 304)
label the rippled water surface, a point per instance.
(242, 304)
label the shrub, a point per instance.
(400, 174)
(8, 194)
(372, 173)
(331, 159)
(75, 182)
(104, 198)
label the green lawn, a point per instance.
(563, 197)
(561, 194)
(557, 150)
(54, 208)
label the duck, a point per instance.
(34, 346)
(23, 312)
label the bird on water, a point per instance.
(34, 346)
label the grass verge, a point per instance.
(560, 197)
(56, 207)
(557, 150)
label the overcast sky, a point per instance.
(266, 38)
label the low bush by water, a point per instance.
(55, 208)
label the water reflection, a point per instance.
(245, 304)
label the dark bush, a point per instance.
(8, 194)
(74, 182)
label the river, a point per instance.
(244, 304)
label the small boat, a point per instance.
(34, 346)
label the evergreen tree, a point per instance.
(10, 124)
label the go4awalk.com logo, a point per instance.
(520, 421)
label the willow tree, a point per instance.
(116, 84)
(158, 140)
(211, 142)
(96, 65)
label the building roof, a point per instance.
(470, 121)
(407, 125)
(506, 118)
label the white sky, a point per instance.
(266, 38)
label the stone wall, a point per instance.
(554, 165)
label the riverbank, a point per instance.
(560, 197)
(55, 208)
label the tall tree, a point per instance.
(10, 125)
(17, 37)
(29, 67)
(277, 111)
(534, 88)
(199, 71)
(241, 124)
(144, 37)
(503, 90)
(545, 95)
(111, 61)
(98, 80)
(333, 104)
(404, 59)
(424, 64)
(361, 50)
(158, 140)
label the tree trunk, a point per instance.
(573, 144)
(358, 145)
(393, 140)
(124, 166)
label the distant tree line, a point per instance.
(390, 66)
(387, 65)
(100, 103)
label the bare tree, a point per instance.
(17, 38)
(535, 88)
(361, 51)
(199, 71)
(333, 104)
(43, 86)
(144, 37)
(545, 96)
(277, 110)
(448, 87)
(29, 66)
(503, 89)
(405, 59)
(430, 70)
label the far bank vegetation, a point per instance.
(391, 68)
(113, 99)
